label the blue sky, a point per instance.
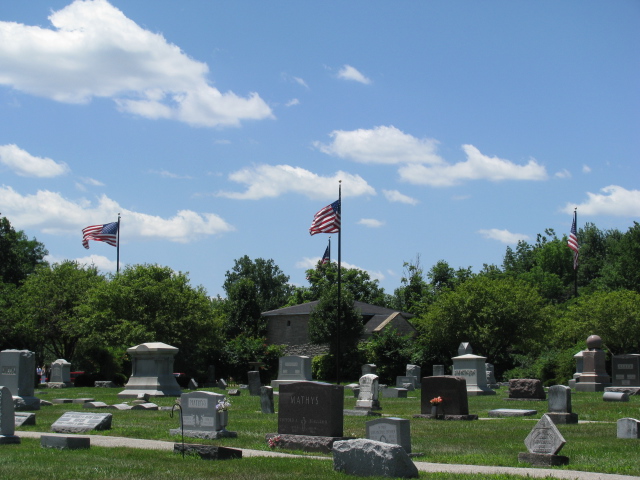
(218, 129)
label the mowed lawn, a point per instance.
(591, 446)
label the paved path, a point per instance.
(106, 441)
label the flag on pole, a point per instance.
(326, 220)
(101, 233)
(326, 257)
(573, 241)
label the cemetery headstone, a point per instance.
(452, 391)
(369, 368)
(560, 405)
(311, 408)
(293, 368)
(7, 419)
(416, 372)
(526, 389)
(201, 417)
(626, 370)
(211, 377)
(368, 396)
(491, 377)
(394, 393)
(18, 374)
(438, 370)
(403, 380)
(82, 422)
(628, 428)
(64, 442)
(594, 377)
(152, 371)
(254, 383)
(390, 430)
(572, 381)
(193, 385)
(615, 397)
(222, 383)
(25, 418)
(60, 374)
(266, 400)
(363, 457)
(544, 442)
(473, 369)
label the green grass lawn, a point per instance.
(590, 446)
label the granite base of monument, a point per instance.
(203, 434)
(511, 412)
(306, 443)
(63, 442)
(563, 418)
(25, 403)
(361, 412)
(207, 452)
(543, 460)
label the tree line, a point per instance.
(523, 315)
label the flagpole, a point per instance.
(339, 313)
(575, 270)
(329, 260)
(118, 247)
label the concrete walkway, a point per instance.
(106, 441)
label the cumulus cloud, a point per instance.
(94, 50)
(396, 196)
(54, 214)
(350, 73)
(269, 181)
(381, 145)
(614, 200)
(370, 222)
(476, 167)
(564, 173)
(504, 236)
(586, 169)
(292, 102)
(24, 164)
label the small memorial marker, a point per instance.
(82, 422)
(390, 430)
(543, 443)
(7, 420)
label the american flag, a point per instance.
(573, 241)
(101, 233)
(326, 258)
(326, 220)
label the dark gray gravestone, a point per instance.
(438, 370)
(25, 418)
(390, 430)
(82, 422)
(311, 408)
(560, 405)
(63, 442)
(208, 452)
(452, 390)
(7, 420)
(266, 400)
(626, 370)
(394, 393)
(402, 379)
(254, 383)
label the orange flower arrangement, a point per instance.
(436, 401)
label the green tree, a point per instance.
(272, 289)
(413, 294)
(50, 308)
(19, 256)
(622, 267)
(242, 310)
(498, 316)
(391, 352)
(152, 303)
(341, 335)
(324, 278)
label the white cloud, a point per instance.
(614, 200)
(396, 196)
(101, 262)
(26, 165)
(586, 169)
(53, 214)
(269, 181)
(504, 236)
(350, 73)
(564, 173)
(370, 222)
(476, 167)
(94, 50)
(167, 174)
(382, 145)
(292, 102)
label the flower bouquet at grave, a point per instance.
(436, 401)
(223, 405)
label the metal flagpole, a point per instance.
(339, 313)
(575, 270)
(118, 247)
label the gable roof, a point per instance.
(377, 323)
(366, 309)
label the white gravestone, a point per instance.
(293, 368)
(152, 371)
(369, 391)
